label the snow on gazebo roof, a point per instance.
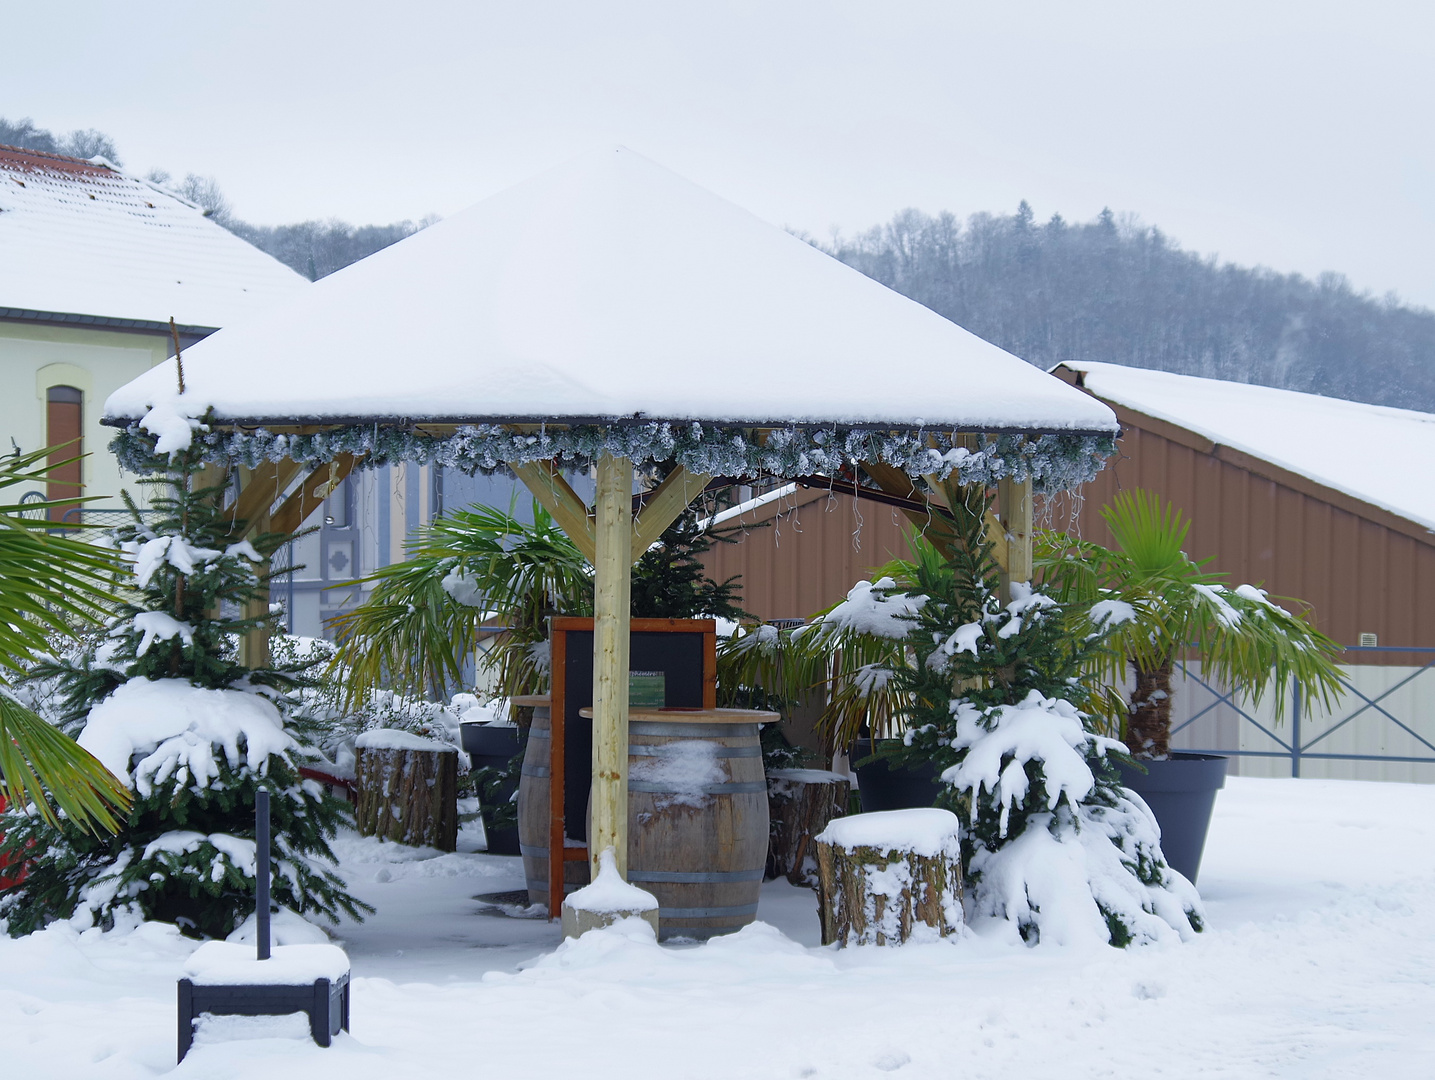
(82, 239)
(604, 295)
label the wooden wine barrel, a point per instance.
(697, 816)
(533, 811)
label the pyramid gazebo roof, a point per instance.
(609, 290)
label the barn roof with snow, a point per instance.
(1374, 453)
(611, 290)
(85, 243)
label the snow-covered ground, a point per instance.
(1319, 962)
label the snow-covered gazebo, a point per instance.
(610, 313)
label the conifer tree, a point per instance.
(669, 581)
(162, 699)
(999, 700)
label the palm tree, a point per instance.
(49, 584)
(1166, 603)
(467, 570)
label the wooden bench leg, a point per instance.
(186, 1017)
(319, 1025)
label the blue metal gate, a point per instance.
(1297, 747)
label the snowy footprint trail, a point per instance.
(1320, 963)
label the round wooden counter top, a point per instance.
(694, 716)
(530, 701)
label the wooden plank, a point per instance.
(612, 588)
(664, 505)
(554, 494)
(310, 494)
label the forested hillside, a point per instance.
(1111, 289)
(1119, 291)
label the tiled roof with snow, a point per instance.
(1374, 453)
(82, 238)
(611, 288)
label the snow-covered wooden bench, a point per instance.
(228, 979)
(225, 978)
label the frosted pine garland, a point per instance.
(1052, 462)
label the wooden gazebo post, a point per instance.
(612, 597)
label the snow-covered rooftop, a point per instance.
(1374, 453)
(610, 288)
(82, 238)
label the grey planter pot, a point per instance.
(1181, 792)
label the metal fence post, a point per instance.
(1295, 728)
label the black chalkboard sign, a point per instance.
(684, 650)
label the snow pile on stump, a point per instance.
(890, 877)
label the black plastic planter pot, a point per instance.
(492, 746)
(885, 786)
(1181, 792)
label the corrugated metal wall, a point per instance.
(801, 554)
(1362, 569)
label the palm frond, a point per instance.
(36, 758)
(412, 636)
(49, 584)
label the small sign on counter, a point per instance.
(647, 689)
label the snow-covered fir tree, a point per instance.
(1054, 847)
(162, 700)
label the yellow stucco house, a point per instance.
(93, 265)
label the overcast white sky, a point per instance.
(1295, 135)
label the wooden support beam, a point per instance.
(254, 644)
(546, 483)
(664, 505)
(942, 494)
(310, 495)
(259, 490)
(265, 485)
(936, 527)
(612, 594)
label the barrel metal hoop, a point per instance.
(732, 912)
(677, 877)
(538, 733)
(542, 886)
(661, 749)
(744, 788)
(538, 771)
(533, 852)
(692, 731)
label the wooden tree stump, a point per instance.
(406, 789)
(887, 877)
(800, 803)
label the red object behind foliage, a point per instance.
(6, 880)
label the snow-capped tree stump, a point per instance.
(800, 803)
(888, 877)
(406, 789)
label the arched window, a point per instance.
(64, 432)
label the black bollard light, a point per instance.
(261, 870)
